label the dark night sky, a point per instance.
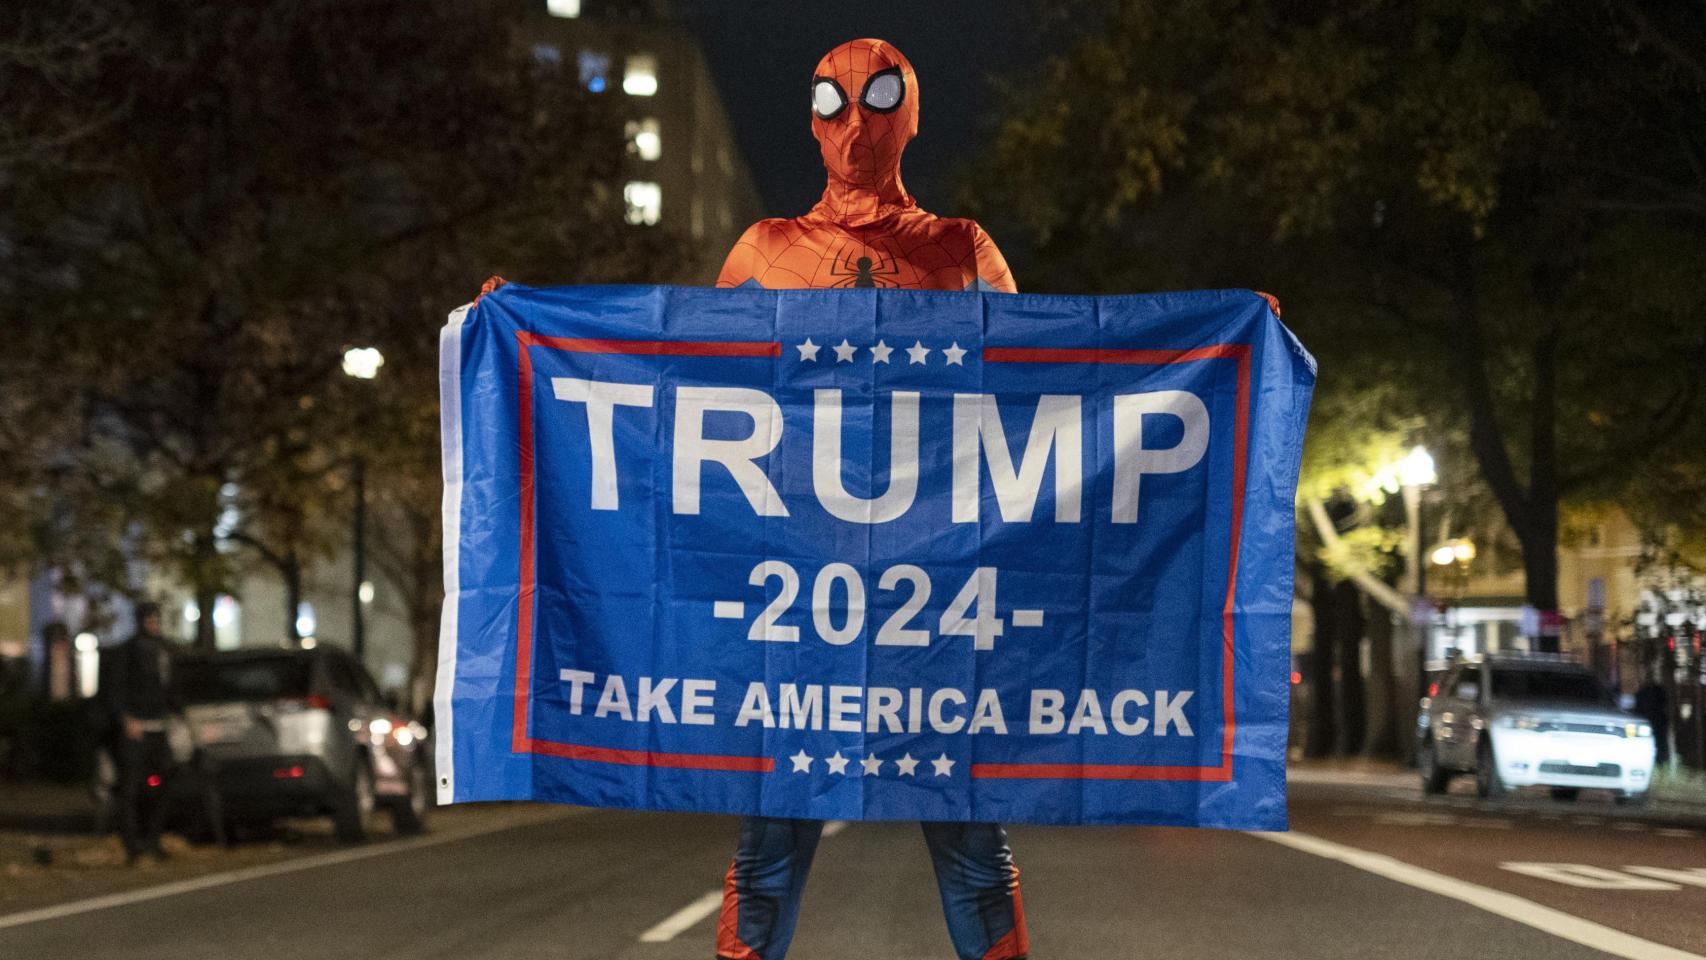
(762, 53)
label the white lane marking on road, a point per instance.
(689, 916)
(267, 870)
(1416, 819)
(1674, 832)
(1585, 875)
(1693, 876)
(683, 919)
(1497, 902)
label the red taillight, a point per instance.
(287, 773)
(1296, 678)
(1433, 689)
(154, 780)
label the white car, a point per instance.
(1520, 720)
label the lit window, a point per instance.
(564, 8)
(645, 201)
(641, 77)
(644, 140)
(547, 54)
(594, 70)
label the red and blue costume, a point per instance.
(867, 231)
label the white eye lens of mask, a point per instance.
(826, 99)
(884, 92)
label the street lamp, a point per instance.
(1417, 468)
(361, 363)
(1416, 471)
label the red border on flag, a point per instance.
(522, 743)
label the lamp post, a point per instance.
(1416, 471)
(362, 363)
(1454, 557)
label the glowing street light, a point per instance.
(363, 363)
(1417, 469)
(1460, 551)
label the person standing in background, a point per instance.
(139, 699)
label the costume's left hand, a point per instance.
(492, 283)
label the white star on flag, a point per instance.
(802, 763)
(808, 350)
(918, 351)
(837, 762)
(943, 765)
(955, 355)
(844, 351)
(880, 352)
(871, 765)
(906, 764)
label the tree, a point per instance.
(48, 58)
(203, 261)
(1493, 204)
(406, 301)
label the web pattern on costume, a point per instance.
(867, 231)
(922, 252)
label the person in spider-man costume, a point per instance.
(867, 231)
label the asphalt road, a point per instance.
(1372, 870)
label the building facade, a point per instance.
(683, 173)
(684, 170)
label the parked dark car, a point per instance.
(290, 732)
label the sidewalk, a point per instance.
(46, 807)
(42, 868)
(1684, 789)
(1680, 794)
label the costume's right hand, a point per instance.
(492, 283)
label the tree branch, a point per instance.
(1377, 589)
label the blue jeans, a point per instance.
(974, 872)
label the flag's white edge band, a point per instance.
(450, 427)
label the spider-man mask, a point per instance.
(864, 110)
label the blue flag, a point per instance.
(871, 554)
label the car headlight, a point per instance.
(1519, 721)
(1638, 730)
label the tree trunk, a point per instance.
(1540, 540)
(1533, 512)
(424, 670)
(206, 592)
(1323, 731)
(291, 570)
(1382, 690)
(1352, 708)
(205, 600)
